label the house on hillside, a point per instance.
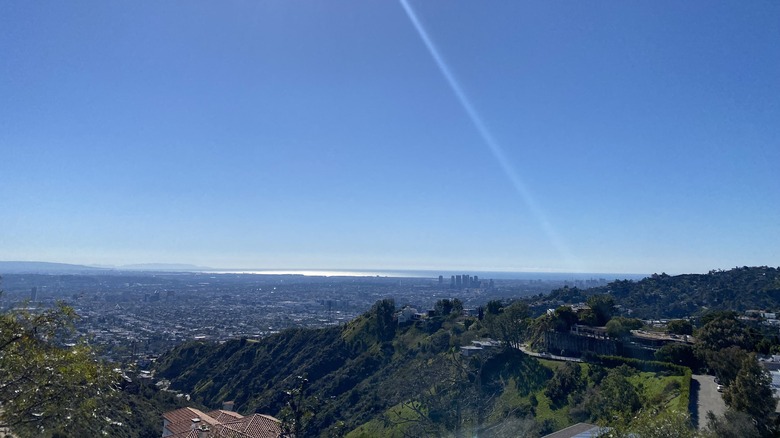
(407, 314)
(194, 423)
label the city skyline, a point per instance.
(530, 137)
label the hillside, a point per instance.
(373, 378)
(665, 296)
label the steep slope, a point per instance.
(355, 372)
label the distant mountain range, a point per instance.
(19, 267)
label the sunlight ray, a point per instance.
(495, 149)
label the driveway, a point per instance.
(704, 398)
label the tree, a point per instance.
(751, 393)
(603, 306)
(725, 363)
(443, 307)
(732, 424)
(680, 354)
(680, 327)
(566, 381)
(510, 324)
(494, 306)
(45, 385)
(563, 318)
(385, 325)
(457, 306)
(723, 343)
(298, 412)
(616, 397)
(725, 330)
(620, 327)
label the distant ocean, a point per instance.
(496, 275)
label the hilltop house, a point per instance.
(193, 423)
(408, 314)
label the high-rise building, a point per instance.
(34, 294)
(452, 282)
(458, 281)
(441, 280)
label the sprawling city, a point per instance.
(137, 315)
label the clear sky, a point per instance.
(590, 136)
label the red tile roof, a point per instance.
(221, 423)
(223, 416)
(254, 426)
(180, 420)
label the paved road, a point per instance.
(705, 397)
(525, 350)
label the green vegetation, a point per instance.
(751, 393)
(375, 378)
(665, 296)
(46, 386)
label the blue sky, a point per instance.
(631, 137)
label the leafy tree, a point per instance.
(510, 324)
(443, 307)
(620, 327)
(537, 328)
(725, 363)
(751, 393)
(563, 318)
(725, 330)
(46, 386)
(723, 342)
(616, 397)
(566, 381)
(680, 354)
(494, 307)
(603, 307)
(457, 306)
(732, 424)
(720, 314)
(588, 317)
(680, 327)
(382, 312)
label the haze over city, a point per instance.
(544, 137)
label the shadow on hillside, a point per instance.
(693, 402)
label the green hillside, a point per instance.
(373, 378)
(665, 296)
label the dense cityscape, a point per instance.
(135, 316)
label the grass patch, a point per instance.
(660, 390)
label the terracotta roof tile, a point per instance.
(222, 424)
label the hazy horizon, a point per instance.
(360, 272)
(499, 136)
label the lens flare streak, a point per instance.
(492, 144)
